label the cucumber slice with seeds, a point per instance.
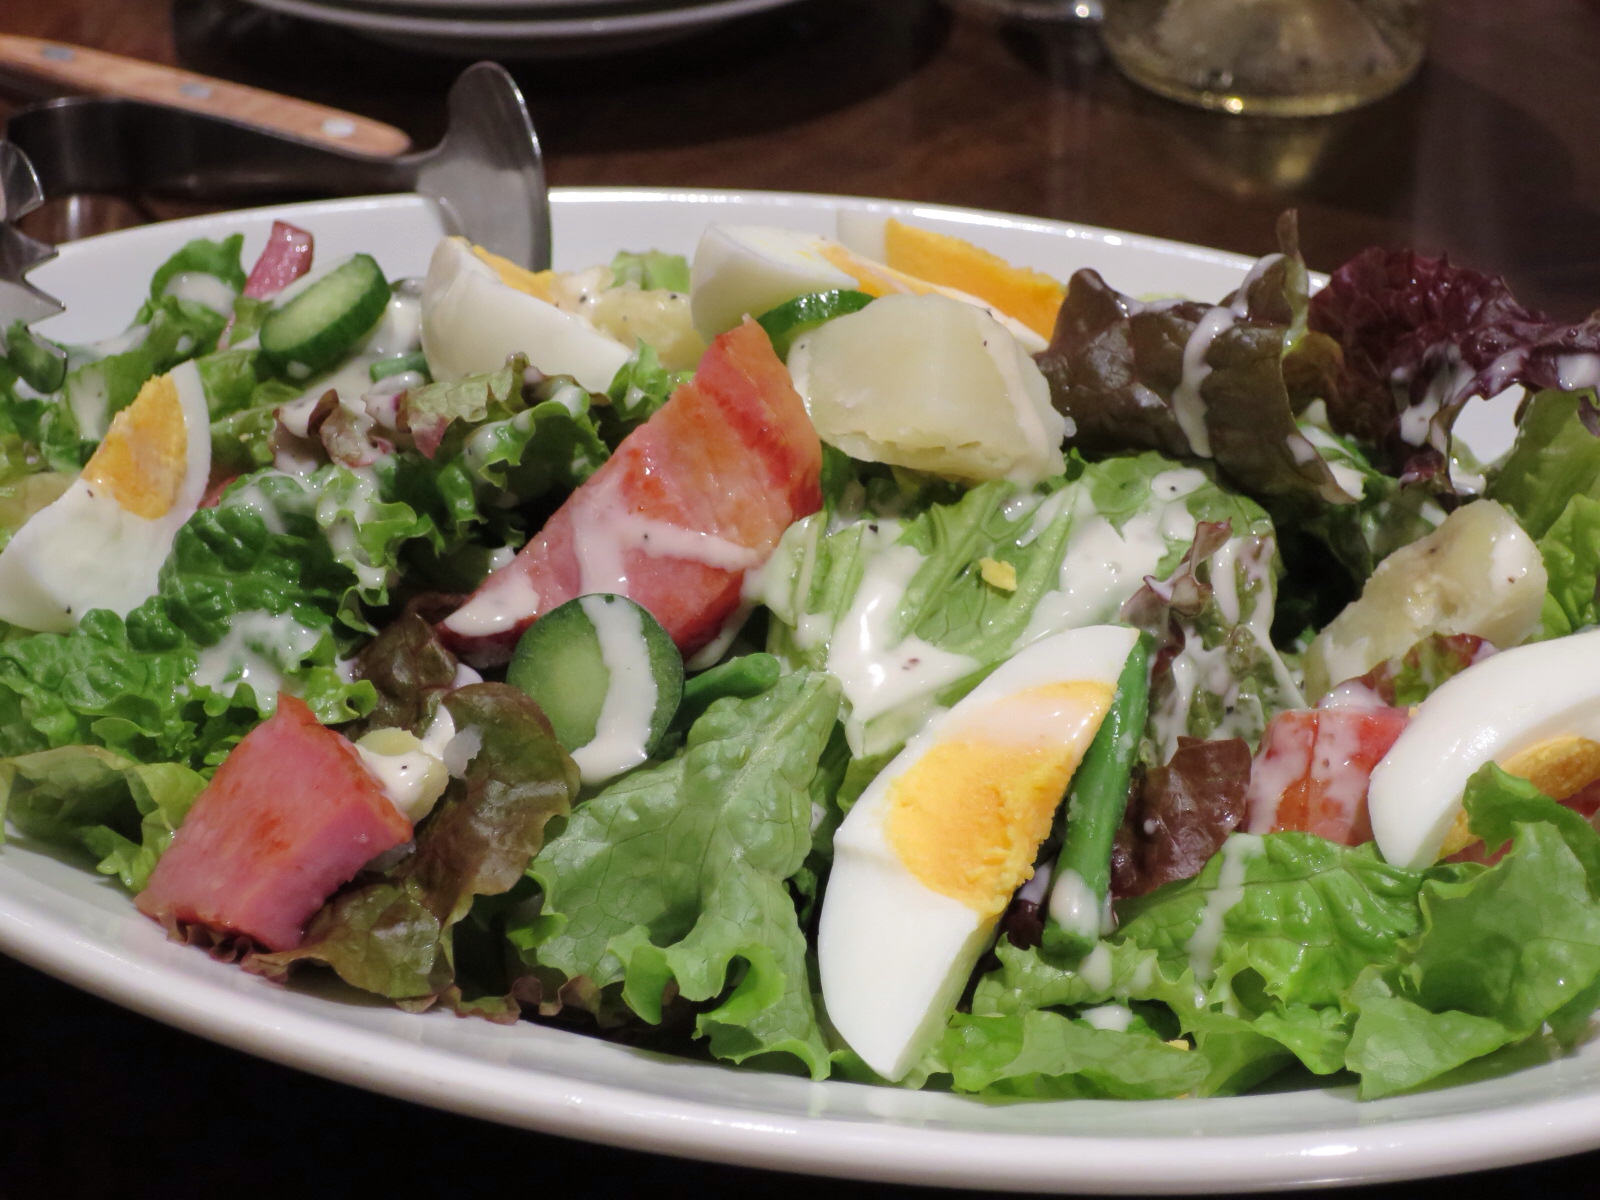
(608, 677)
(321, 325)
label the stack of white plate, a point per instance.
(520, 28)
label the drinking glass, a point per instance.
(1286, 58)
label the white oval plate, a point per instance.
(67, 921)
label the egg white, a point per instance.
(85, 551)
(746, 270)
(1491, 711)
(893, 953)
(472, 322)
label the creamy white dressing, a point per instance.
(1101, 568)
(257, 501)
(1074, 906)
(1096, 968)
(511, 598)
(879, 667)
(197, 287)
(133, 336)
(1115, 1017)
(411, 777)
(257, 649)
(622, 732)
(711, 653)
(1188, 406)
(1236, 854)
(1577, 371)
(340, 513)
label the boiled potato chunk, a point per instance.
(931, 383)
(1478, 573)
(660, 318)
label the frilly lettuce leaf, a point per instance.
(1551, 481)
(641, 386)
(695, 895)
(163, 685)
(1556, 456)
(650, 270)
(1288, 945)
(1046, 1055)
(204, 257)
(1420, 337)
(1189, 379)
(86, 797)
(395, 935)
(1137, 513)
(1180, 813)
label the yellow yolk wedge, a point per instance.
(1531, 709)
(102, 542)
(1027, 295)
(742, 270)
(538, 284)
(929, 856)
(1557, 767)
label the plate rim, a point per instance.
(600, 26)
(253, 1021)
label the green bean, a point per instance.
(1096, 802)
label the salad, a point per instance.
(852, 656)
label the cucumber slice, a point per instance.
(41, 364)
(321, 325)
(608, 677)
(804, 313)
(385, 367)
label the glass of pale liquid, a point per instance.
(1283, 58)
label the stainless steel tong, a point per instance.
(20, 194)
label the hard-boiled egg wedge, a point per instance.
(1030, 296)
(742, 270)
(1534, 710)
(931, 383)
(478, 310)
(929, 856)
(101, 545)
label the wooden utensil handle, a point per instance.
(94, 71)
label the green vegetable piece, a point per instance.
(39, 362)
(385, 367)
(321, 325)
(564, 662)
(804, 313)
(1098, 798)
(652, 270)
(746, 676)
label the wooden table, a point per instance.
(1490, 154)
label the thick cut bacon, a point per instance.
(691, 500)
(289, 816)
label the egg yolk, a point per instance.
(144, 456)
(968, 817)
(1557, 766)
(538, 284)
(1028, 296)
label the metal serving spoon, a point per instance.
(486, 173)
